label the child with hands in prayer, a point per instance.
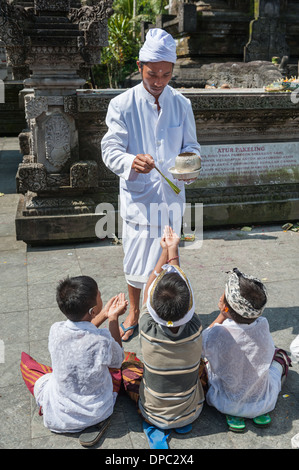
(80, 389)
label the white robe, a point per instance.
(243, 378)
(294, 347)
(136, 127)
(79, 391)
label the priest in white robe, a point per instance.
(148, 126)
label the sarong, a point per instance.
(128, 376)
(141, 253)
(32, 370)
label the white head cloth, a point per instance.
(167, 269)
(159, 46)
(234, 298)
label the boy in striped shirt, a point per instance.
(171, 394)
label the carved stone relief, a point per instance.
(35, 106)
(31, 177)
(37, 206)
(57, 140)
(54, 5)
(84, 174)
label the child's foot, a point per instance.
(90, 436)
(262, 420)
(235, 423)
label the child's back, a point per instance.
(78, 393)
(171, 394)
(241, 379)
(244, 380)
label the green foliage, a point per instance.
(121, 54)
(119, 57)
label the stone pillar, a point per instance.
(267, 32)
(53, 45)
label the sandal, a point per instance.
(157, 438)
(262, 420)
(127, 329)
(90, 436)
(235, 423)
(184, 429)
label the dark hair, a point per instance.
(171, 297)
(76, 295)
(253, 292)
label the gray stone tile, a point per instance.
(28, 280)
(10, 374)
(14, 417)
(42, 294)
(40, 321)
(56, 265)
(14, 327)
(13, 298)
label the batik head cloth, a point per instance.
(167, 269)
(234, 298)
(159, 46)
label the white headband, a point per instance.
(159, 46)
(167, 269)
(234, 298)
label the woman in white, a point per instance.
(148, 126)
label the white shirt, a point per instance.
(136, 127)
(79, 392)
(294, 347)
(243, 381)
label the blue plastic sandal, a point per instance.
(184, 429)
(133, 327)
(157, 438)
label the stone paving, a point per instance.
(28, 278)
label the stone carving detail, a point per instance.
(12, 20)
(241, 102)
(35, 106)
(86, 15)
(51, 45)
(24, 141)
(267, 32)
(56, 206)
(90, 105)
(54, 5)
(31, 177)
(55, 100)
(56, 180)
(57, 140)
(54, 56)
(84, 175)
(70, 105)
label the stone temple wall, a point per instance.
(250, 147)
